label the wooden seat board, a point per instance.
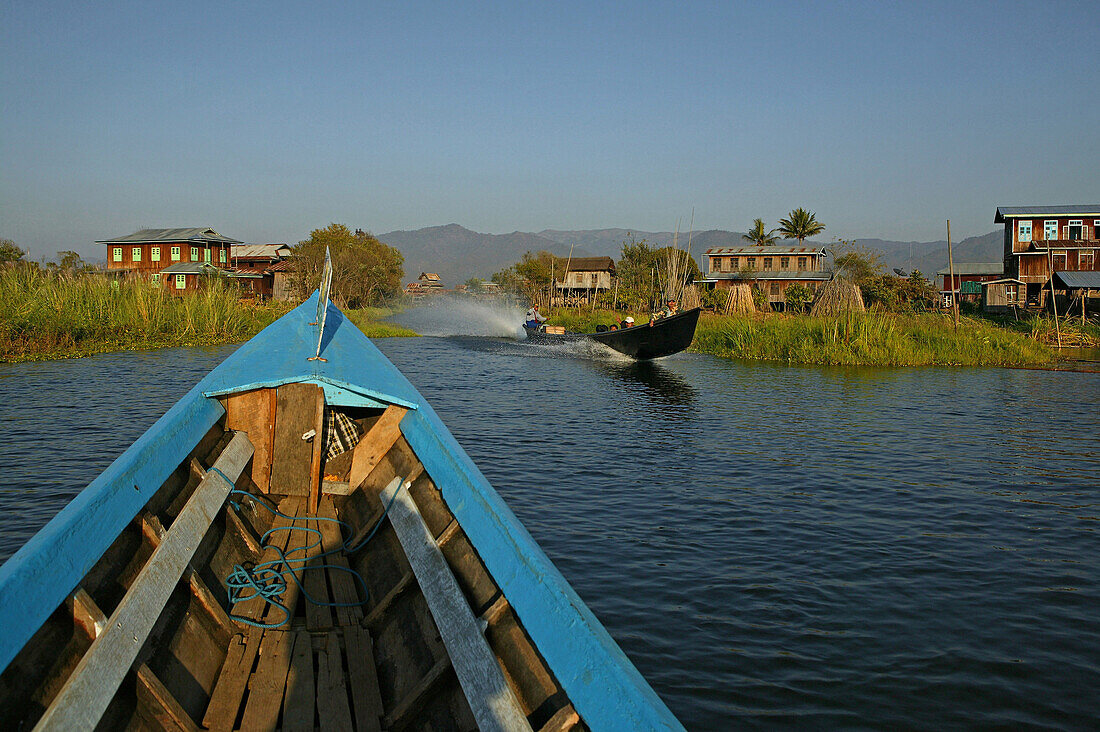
(318, 614)
(267, 685)
(257, 608)
(343, 584)
(225, 700)
(93, 683)
(332, 693)
(491, 699)
(300, 408)
(301, 695)
(366, 697)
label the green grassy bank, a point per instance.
(47, 315)
(868, 339)
(858, 339)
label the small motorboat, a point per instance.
(655, 339)
(300, 543)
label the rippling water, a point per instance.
(772, 546)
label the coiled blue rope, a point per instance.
(269, 580)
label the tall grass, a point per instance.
(870, 339)
(371, 322)
(50, 315)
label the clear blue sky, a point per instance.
(267, 120)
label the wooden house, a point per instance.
(578, 279)
(185, 277)
(149, 252)
(771, 267)
(1003, 295)
(966, 284)
(429, 282)
(252, 266)
(280, 280)
(1042, 239)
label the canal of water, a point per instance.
(771, 546)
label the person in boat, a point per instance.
(628, 322)
(668, 310)
(534, 317)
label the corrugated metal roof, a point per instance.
(974, 268)
(1004, 212)
(1076, 280)
(282, 266)
(196, 234)
(260, 251)
(765, 251)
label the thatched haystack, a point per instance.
(838, 296)
(740, 300)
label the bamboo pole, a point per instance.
(1053, 302)
(951, 269)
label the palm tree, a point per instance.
(757, 235)
(800, 225)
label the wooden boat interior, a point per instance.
(151, 635)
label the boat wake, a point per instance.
(459, 316)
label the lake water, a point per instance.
(771, 546)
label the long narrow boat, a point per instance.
(426, 605)
(663, 337)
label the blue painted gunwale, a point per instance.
(603, 685)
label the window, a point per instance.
(784, 263)
(175, 254)
(1096, 228)
(181, 281)
(801, 264)
(154, 254)
(1086, 259)
(1050, 229)
(221, 256)
(206, 254)
(767, 263)
(1060, 261)
(194, 254)
(1010, 293)
(135, 252)
(116, 254)
(715, 264)
(1075, 230)
(733, 262)
(750, 262)
(1023, 231)
(155, 278)
(775, 288)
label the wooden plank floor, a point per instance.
(317, 670)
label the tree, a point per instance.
(860, 264)
(69, 261)
(364, 270)
(757, 235)
(529, 276)
(797, 297)
(473, 285)
(801, 225)
(9, 252)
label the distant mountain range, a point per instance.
(456, 254)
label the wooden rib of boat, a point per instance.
(663, 337)
(431, 608)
